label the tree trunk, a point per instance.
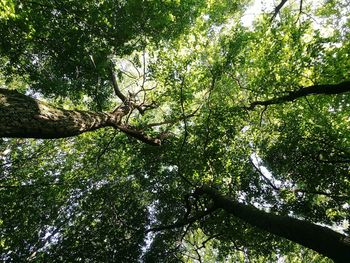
(22, 116)
(25, 117)
(321, 239)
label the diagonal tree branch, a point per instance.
(278, 9)
(117, 91)
(267, 180)
(139, 135)
(325, 89)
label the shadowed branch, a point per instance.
(325, 89)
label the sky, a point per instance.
(257, 7)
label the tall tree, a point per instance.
(251, 128)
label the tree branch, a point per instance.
(300, 10)
(267, 180)
(129, 101)
(278, 9)
(117, 91)
(326, 89)
(139, 135)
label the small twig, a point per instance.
(179, 172)
(262, 114)
(208, 239)
(144, 75)
(300, 10)
(182, 223)
(128, 74)
(196, 249)
(105, 148)
(279, 189)
(133, 64)
(183, 113)
(262, 174)
(150, 125)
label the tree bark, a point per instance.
(321, 239)
(25, 117)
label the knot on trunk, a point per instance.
(115, 117)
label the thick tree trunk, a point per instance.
(22, 116)
(321, 239)
(25, 117)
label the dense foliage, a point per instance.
(96, 197)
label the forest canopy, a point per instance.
(174, 131)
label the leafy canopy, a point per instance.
(93, 197)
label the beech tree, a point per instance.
(172, 131)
